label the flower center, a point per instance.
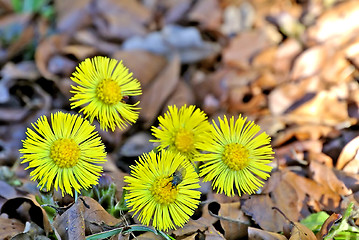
(65, 152)
(235, 156)
(109, 92)
(184, 140)
(163, 191)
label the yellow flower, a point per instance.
(162, 189)
(64, 154)
(103, 86)
(182, 130)
(238, 156)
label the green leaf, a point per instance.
(315, 221)
(127, 230)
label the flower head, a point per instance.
(64, 154)
(162, 188)
(103, 85)
(182, 130)
(238, 156)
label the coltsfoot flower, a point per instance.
(182, 131)
(103, 86)
(237, 156)
(64, 154)
(162, 189)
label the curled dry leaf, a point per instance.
(27, 209)
(348, 154)
(46, 50)
(327, 225)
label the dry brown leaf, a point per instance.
(259, 207)
(337, 23)
(285, 55)
(348, 154)
(27, 209)
(183, 94)
(324, 108)
(71, 224)
(351, 180)
(309, 62)
(72, 15)
(243, 47)
(265, 58)
(289, 95)
(204, 8)
(238, 227)
(320, 158)
(175, 10)
(193, 226)
(144, 65)
(324, 230)
(90, 37)
(300, 232)
(7, 191)
(46, 50)
(10, 227)
(121, 19)
(302, 133)
(255, 233)
(325, 176)
(156, 94)
(321, 194)
(212, 234)
(86, 216)
(79, 51)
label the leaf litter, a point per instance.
(292, 66)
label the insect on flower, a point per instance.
(177, 176)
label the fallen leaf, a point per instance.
(86, 216)
(213, 234)
(335, 24)
(120, 20)
(243, 47)
(255, 233)
(46, 50)
(256, 206)
(324, 175)
(10, 227)
(348, 154)
(136, 145)
(27, 209)
(183, 94)
(327, 225)
(144, 65)
(300, 232)
(234, 222)
(156, 94)
(204, 8)
(71, 16)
